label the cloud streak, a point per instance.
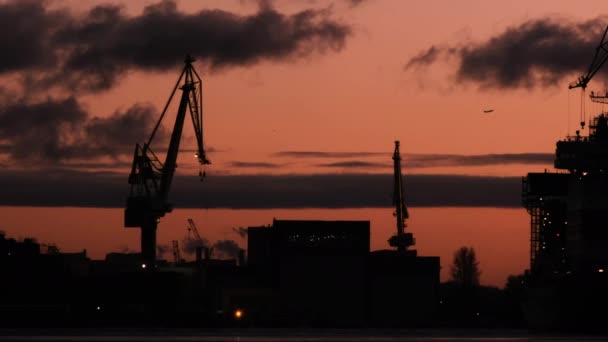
(437, 160)
(537, 53)
(244, 165)
(71, 188)
(418, 161)
(326, 154)
(356, 164)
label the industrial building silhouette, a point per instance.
(568, 259)
(299, 273)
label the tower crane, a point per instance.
(151, 179)
(600, 57)
(202, 244)
(402, 240)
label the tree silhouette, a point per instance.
(465, 268)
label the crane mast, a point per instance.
(402, 241)
(151, 179)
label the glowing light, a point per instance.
(143, 265)
(601, 270)
(98, 308)
(238, 313)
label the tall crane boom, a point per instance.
(192, 228)
(202, 245)
(151, 179)
(402, 240)
(601, 55)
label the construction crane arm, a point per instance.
(601, 55)
(193, 228)
(192, 100)
(151, 179)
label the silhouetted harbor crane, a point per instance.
(150, 179)
(402, 241)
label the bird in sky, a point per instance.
(488, 110)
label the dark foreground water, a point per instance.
(288, 335)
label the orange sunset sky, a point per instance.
(303, 101)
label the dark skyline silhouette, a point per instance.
(300, 100)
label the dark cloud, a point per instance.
(539, 52)
(118, 133)
(266, 165)
(46, 49)
(42, 131)
(71, 188)
(325, 154)
(26, 39)
(92, 51)
(58, 130)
